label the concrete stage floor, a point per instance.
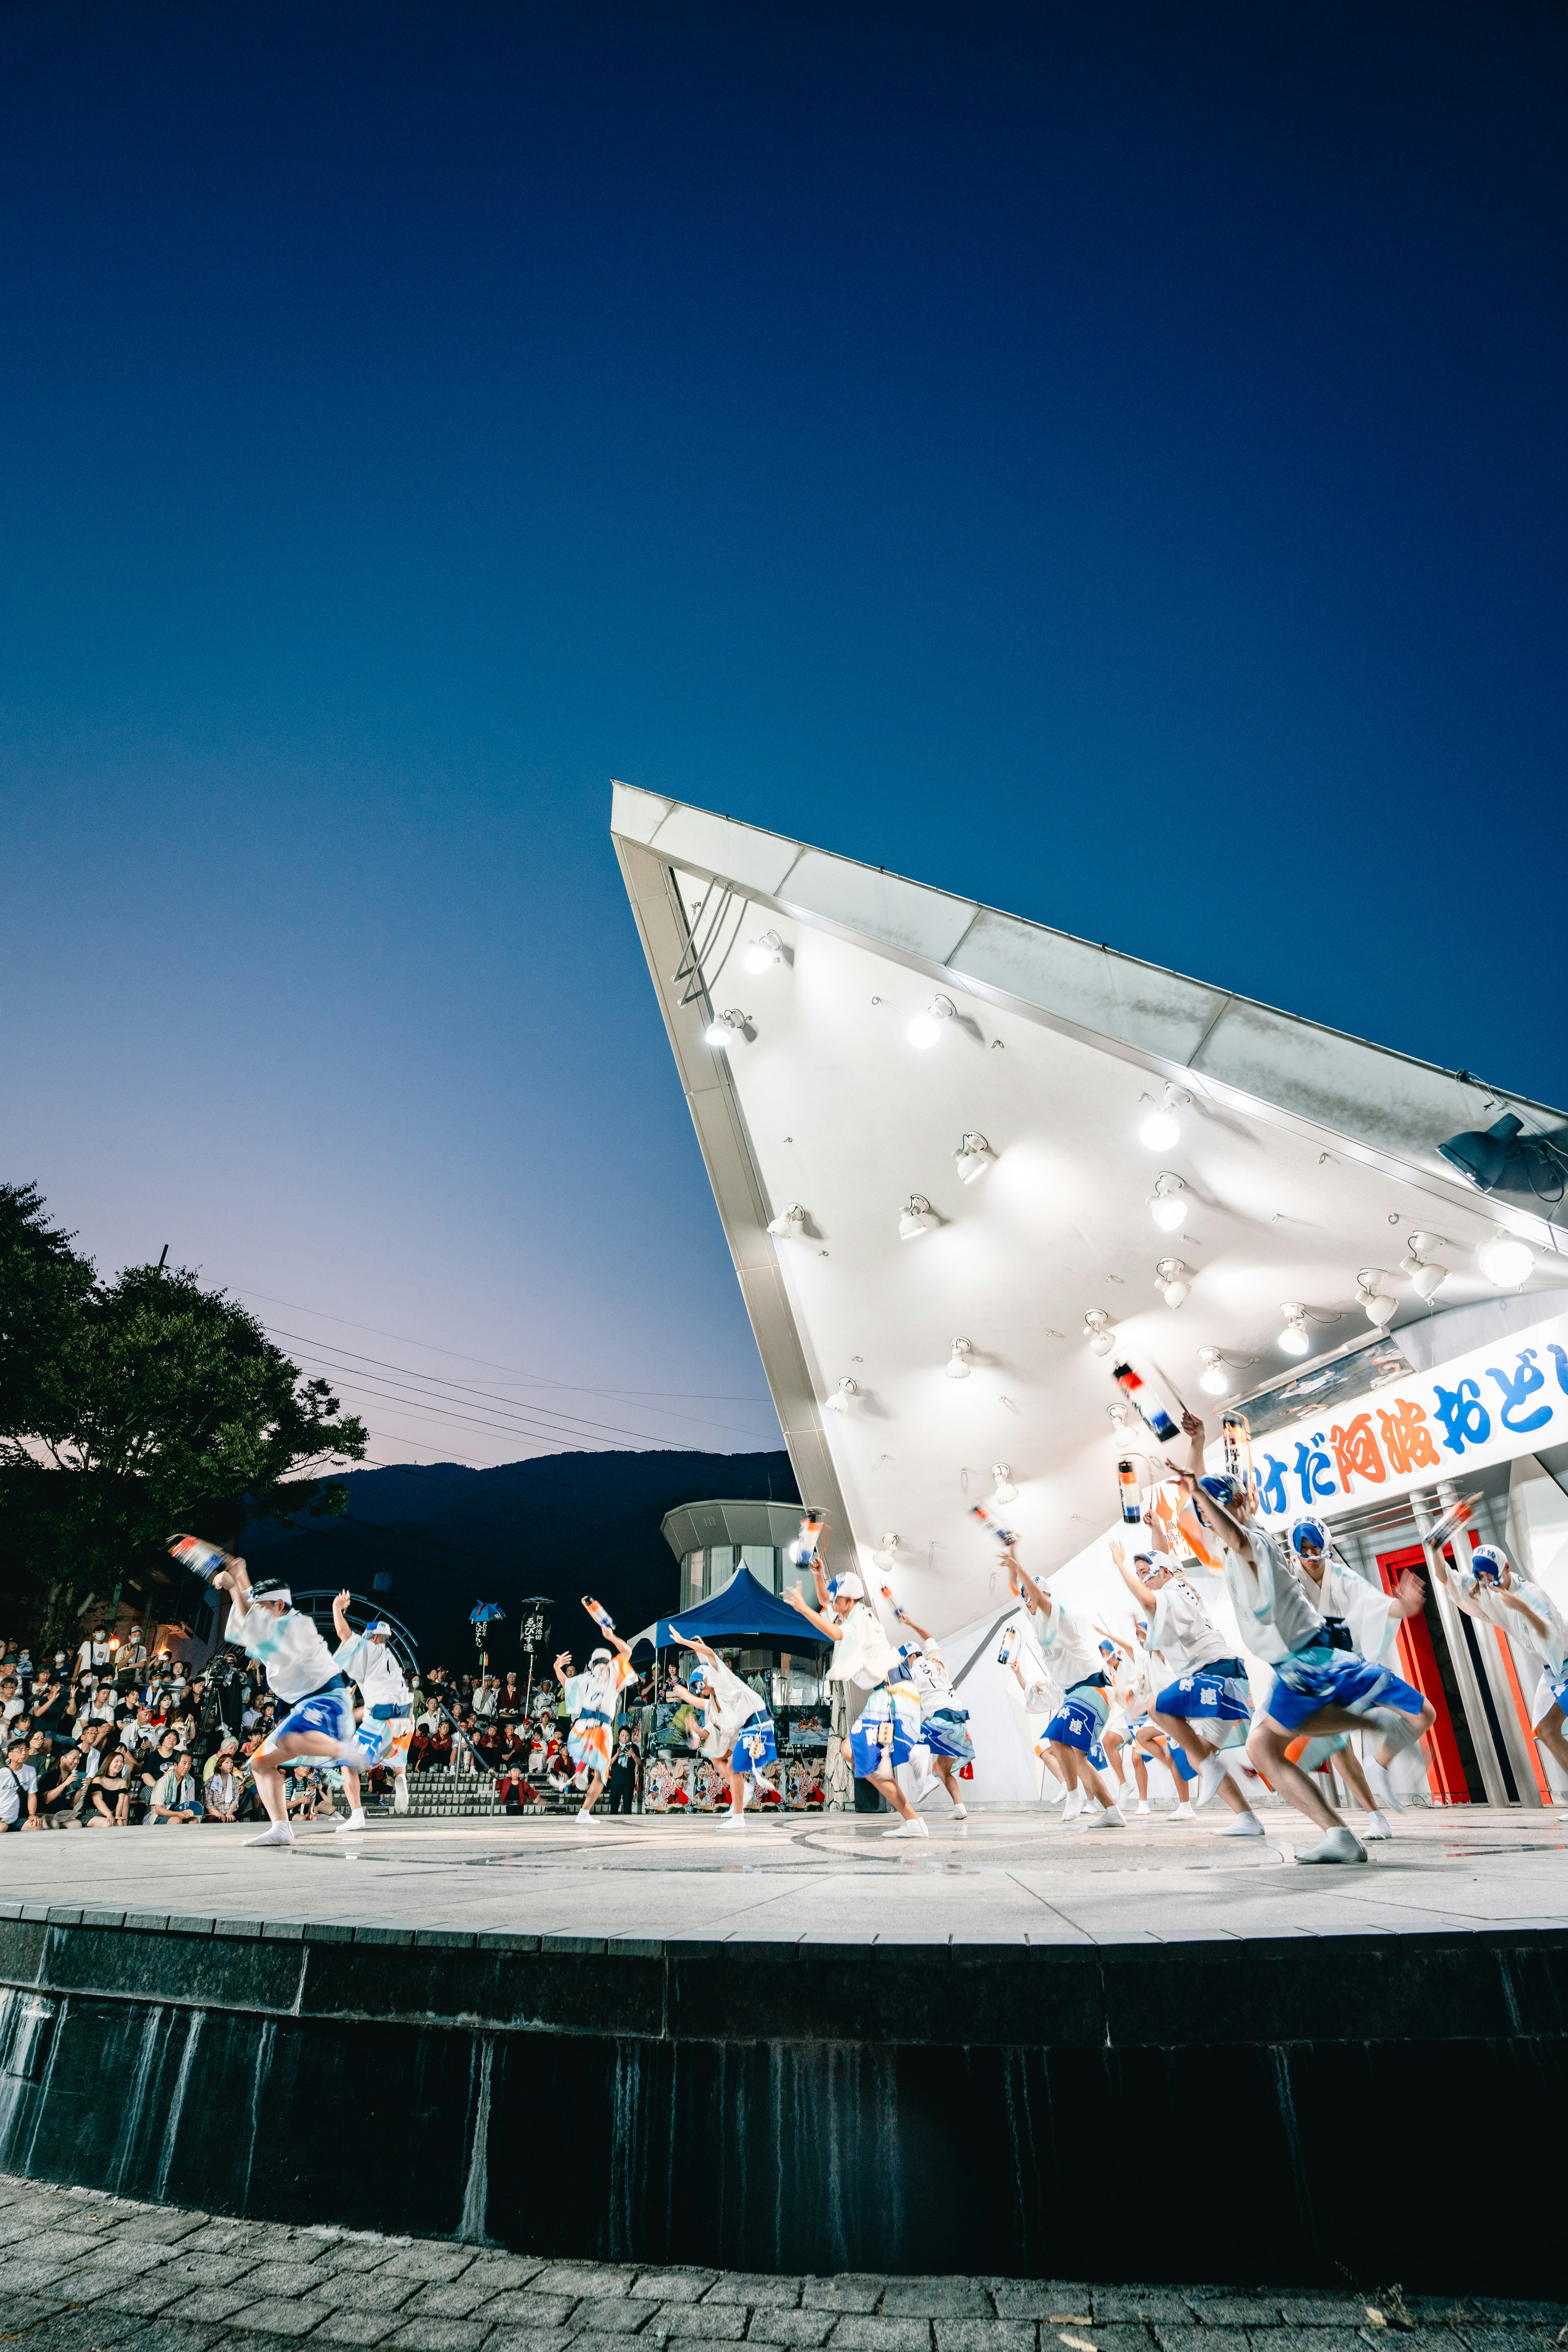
(1005, 1877)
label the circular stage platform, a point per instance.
(805, 2046)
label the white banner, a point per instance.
(1487, 1406)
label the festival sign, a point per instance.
(1413, 1430)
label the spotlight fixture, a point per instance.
(1005, 1490)
(1295, 1338)
(975, 1156)
(725, 1027)
(1100, 1341)
(763, 954)
(1170, 1280)
(1161, 1128)
(1506, 1261)
(1166, 1204)
(916, 1218)
(1427, 1276)
(1119, 1414)
(958, 1363)
(789, 1224)
(1503, 1159)
(1214, 1380)
(925, 1029)
(1380, 1307)
(891, 1542)
(838, 1400)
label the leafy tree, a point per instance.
(132, 1407)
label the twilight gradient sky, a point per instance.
(1108, 460)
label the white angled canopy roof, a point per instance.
(1304, 1157)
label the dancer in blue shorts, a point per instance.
(745, 1741)
(1318, 1685)
(1069, 1647)
(883, 1734)
(945, 1724)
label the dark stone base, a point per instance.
(916, 2108)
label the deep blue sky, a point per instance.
(1109, 459)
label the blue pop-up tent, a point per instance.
(744, 1610)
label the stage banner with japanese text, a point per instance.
(1416, 1429)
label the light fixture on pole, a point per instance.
(763, 954)
(1100, 1341)
(725, 1027)
(1161, 1128)
(838, 1400)
(1167, 1205)
(925, 1029)
(1171, 1282)
(916, 1218)
(1506, 1261)
(789, 1224)
(1005, 1490)
(975, 1156)
(1214, 1380)
(1295, 1338)
(1380, 1307)
(958, 1363)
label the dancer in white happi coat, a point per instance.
(300, 1671)
(1493, 1590)
(369, 1660)
(1041, 1699)
(1133, 1686)
(1070, 1648)
(945, 1724)
(740, 1729)
(1206, 1705)
(883, 1734)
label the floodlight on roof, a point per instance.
(1166, 1205)
(1427, 1276)
(925, 1029)
(1161, 1128)
(761, 955)
(838, 1400)
(974, 1157)
(1100, 1341)
(916, 1218)
(1005, 1490)
(1506, 1261)
(1295, 1338)
(789, 1224)
(1380, 1307)
(1215, 1379)
(1171, 1281)
(725, 1027)
(958, 1363)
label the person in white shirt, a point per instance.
(882, 1735)
(739, 1729)
(94, 1653)
(303, 1674)
(1206, 1706)
(945, 1724)
(1491, 1590)
(369, 1660)
(1070, 1648)
(1319, 1684)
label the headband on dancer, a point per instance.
(599, 1658)
(270, 1587)
(697, 1680)
(1160, 1563)
(1488, 1560)
(1219, 1489)
(380, 1626)
(846, 1587)
(1309, 1538)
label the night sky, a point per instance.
(1105, 459)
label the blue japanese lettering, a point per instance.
(1516, 1386)
(1271, 1486)
(1561, 1366)
(1312, 1469)
(1465, 1420)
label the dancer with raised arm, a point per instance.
(301, 1671)
(369, 1660)
(1069, 1648)
(945, 1724)
(1206, 1705)
(1491, 1590)
(883, 1734)
(739, 1722)
(591, 1698)
(1319, 1686)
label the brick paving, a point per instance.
(83, 2272)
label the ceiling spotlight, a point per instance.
(891, 1542)
(925, 1029)
(1166, 1205)
(1170, 1280)
(1119, 1413)
(725, 1027)
(763, 954)
(1295, 1338)
(1161, 1128)
(838, 1399)
(974, 1157)
(916, 1218)
(958, 1363)
(1427, 1276)
(1380, 1307)
(1506, 1261)
(1005, 1490)
(1216, 1380)
(1100, 1341)
(789, 1224)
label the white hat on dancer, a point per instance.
(846, 1587)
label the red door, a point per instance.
(1418, 1662)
